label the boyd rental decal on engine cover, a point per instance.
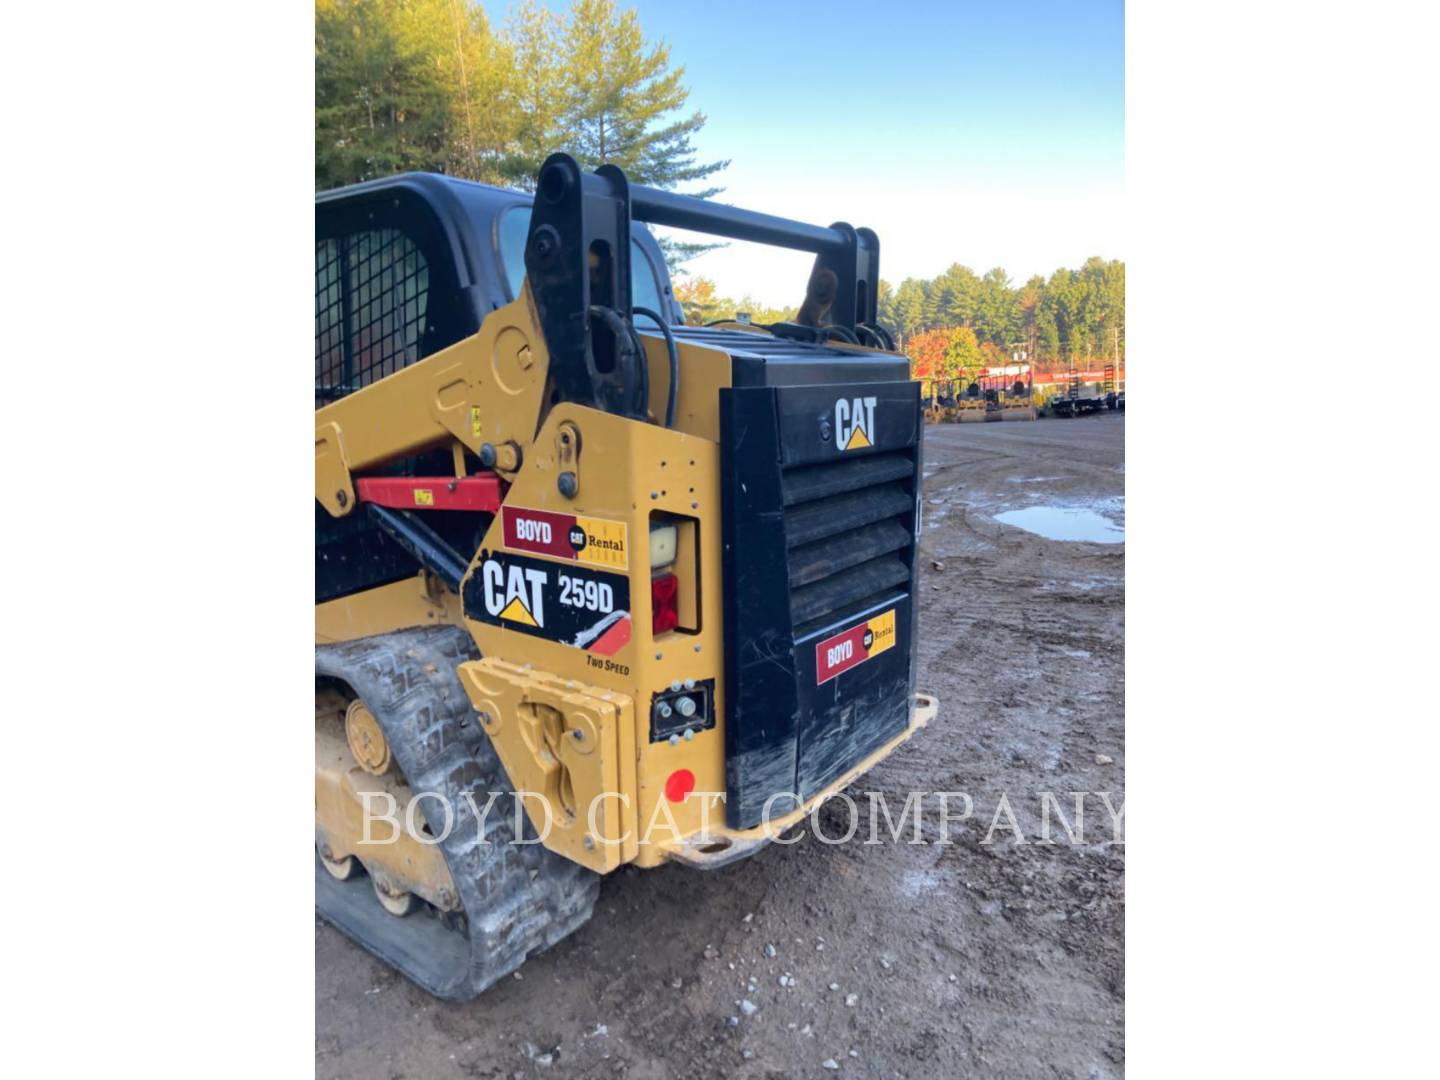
(583, 608)
(851, 648)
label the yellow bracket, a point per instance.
(571, 749)
(489, 388)
(332, 472)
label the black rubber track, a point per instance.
(518, 899)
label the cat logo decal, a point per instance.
(561, 602)
(518, 596)
(855, 423)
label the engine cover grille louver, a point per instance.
(820, 553)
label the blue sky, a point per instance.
(984, 132)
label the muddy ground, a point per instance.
(996, 959)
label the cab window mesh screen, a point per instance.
(371, 290)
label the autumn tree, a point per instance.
(702, 304)
(927, 354)
(962, 355)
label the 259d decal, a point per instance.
(584, 608)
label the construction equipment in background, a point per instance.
(972, 405)
(939, 397)
(1017, 393)
(1081, 397)
(930, 400)
(1113, 389)
(576, 557)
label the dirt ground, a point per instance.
(996, 959)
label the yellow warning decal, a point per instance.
(424, 497)
(474, 421)
(516, 611)
(857, 440)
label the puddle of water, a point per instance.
(1064, 523)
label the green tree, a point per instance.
(533, 35)
(941, 304)
(410, 84)
(1102, 304)
(909, 310)
(1074, 315)
(1027, 311)
(381, 106)
(962, 355)
(620, 92)
(953, 298)
(995, 308)
(426, 84)
(885, 304)
(620, 106)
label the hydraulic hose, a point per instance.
(638, 376)
(674, 351)
(886, 339)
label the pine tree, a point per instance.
(409, 84)
(380, 105)
(619, 92)
(620, 97)
(909, 307)
(534, 37)
(995, 308)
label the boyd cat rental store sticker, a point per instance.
(851, 648)
(598, 541)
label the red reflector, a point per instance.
(679, 784)
(664, 603)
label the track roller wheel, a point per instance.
(367, 741)
(340, 869)
(399, 903)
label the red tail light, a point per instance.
(664, 603)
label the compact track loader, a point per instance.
(593, 587)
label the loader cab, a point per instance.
(411, 264)
(404, 267)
